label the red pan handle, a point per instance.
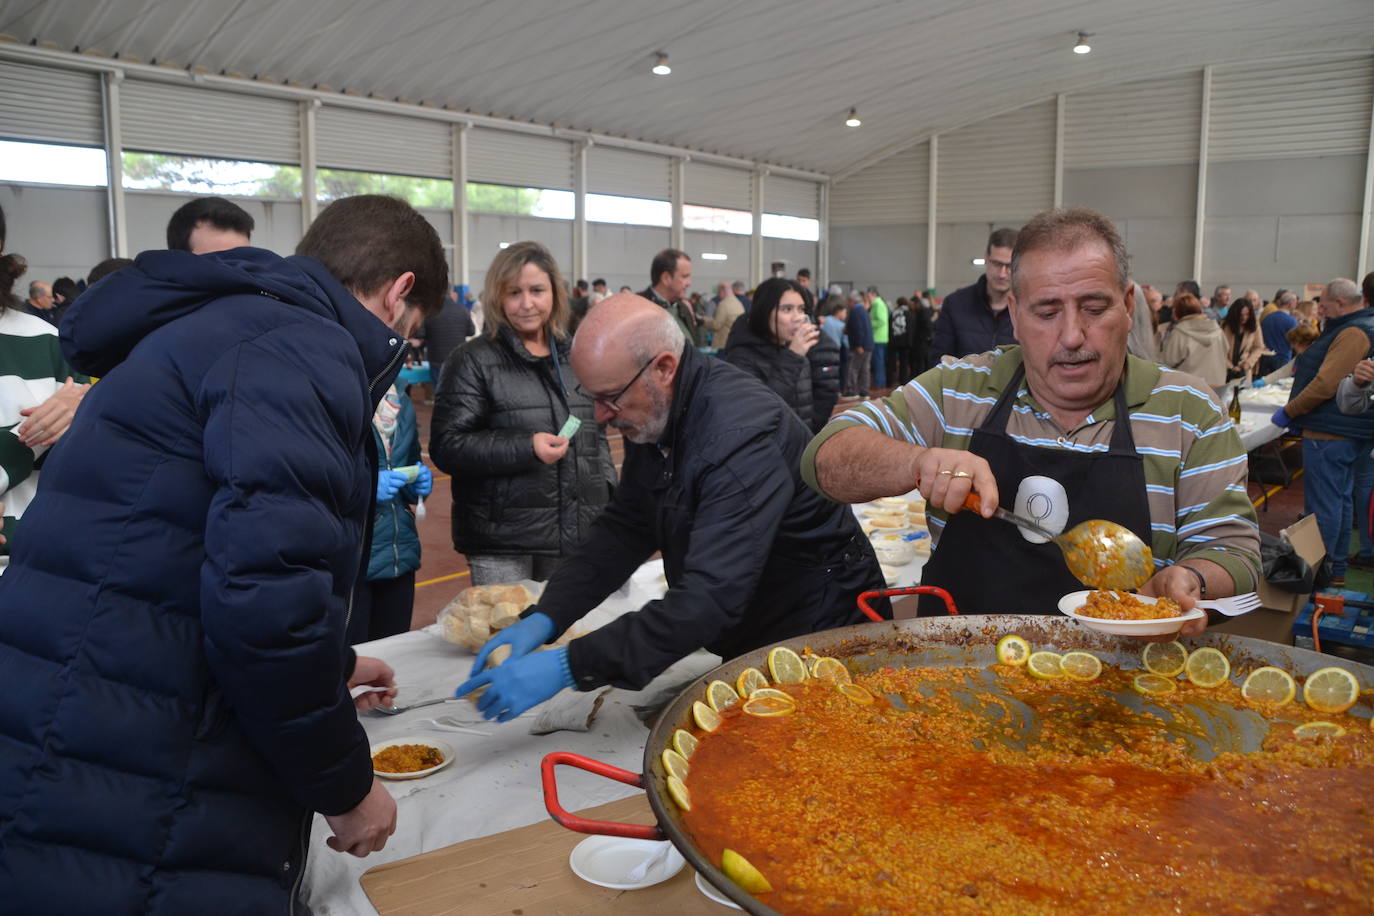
(896, 592)
(582, 824)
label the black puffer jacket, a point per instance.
(784, 372)
(494, 396)
(824, 358)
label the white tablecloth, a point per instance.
(1257, 405)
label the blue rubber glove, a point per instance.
(389, 483)
(520, 683)
(1281, 419)
(424, 483)
(523, 638)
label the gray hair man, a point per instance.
(711, 480)
(1038, 427)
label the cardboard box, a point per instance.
(1274, 619)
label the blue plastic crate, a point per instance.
(1355, 628)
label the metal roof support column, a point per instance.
(1362, 258)
(678, 238)
(931, 215)
(579, 263)
(1059, 108)
(116, 215)
(823, 272)
(460, 203)
(1205, 127)
(310, 198)
(756, 274)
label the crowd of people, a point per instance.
(225, 429)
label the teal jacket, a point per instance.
(395, 542)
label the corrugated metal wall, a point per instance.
(163, 118)
(896, 190)
(1154, 122)
(717, 186)
(521, 160)
(628, 173)
(369, 141)
(50, 105)
(1001, 168)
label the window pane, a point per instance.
(541, 202)
(717, 219)
(188, 174)
(607, 208)
(332, 184)
(48, 163)
(777, 226)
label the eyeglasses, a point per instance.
(610, 402)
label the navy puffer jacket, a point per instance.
(171, 625)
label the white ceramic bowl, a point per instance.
(709, 889)
(1070, 604)
(608, 861)
(439, 746)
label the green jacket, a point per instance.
(877, 315)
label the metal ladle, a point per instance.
(1099, 553)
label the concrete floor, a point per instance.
(444, 573)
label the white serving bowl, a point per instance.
(439, 746)
(1071, 603)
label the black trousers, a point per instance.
(381, 608)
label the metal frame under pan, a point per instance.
(927, 641)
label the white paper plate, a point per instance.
(709, 889)
(608, 861)
(440, 746)
(1070, 604)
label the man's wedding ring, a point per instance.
(962, 474)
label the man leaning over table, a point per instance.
(751, 555)
(1036, 428)
(176, 701)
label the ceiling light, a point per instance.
(853, 119)
(714, 256)
(661, 67)
(978, 262)
(1082, 47)
(503, 246)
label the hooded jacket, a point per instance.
(494, 396)
(751, 554)
(1195, 345)
(172, 632)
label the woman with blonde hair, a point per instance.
(523, 495)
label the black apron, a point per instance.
(986, 565)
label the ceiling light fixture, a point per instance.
(714, 256)
(1082, 47)
(853, 119)
(661, 67)
(503, 245)
(979, 262)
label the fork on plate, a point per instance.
(1233, 606)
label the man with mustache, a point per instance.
(1036, 428)
(752, 556)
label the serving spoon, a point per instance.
(1099, 553)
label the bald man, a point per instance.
(711, 479)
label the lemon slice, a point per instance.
(707, 719)
(1331, 690)
(1318, 730)
(749, 680)
(1045, 665)
(679, 793)
(674, 763)
(1013, 650)
(720, 695)
(766, 707)
(1081, 666)
(1269, 685)
(855, 692)
(1165, 658)
(786, 666)
(830, 669)
(774, 693)
(739, 870)
(684, 742)
(1208, 667)
(1153, 685)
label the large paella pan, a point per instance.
(999, 843)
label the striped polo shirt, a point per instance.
(1195, 465)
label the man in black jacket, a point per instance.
(711, 479)
(975, 319)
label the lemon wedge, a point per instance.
(1269, 685)
(1165, 658)
(749, 680)
(1331, 690)
(720, 695)
(679, 793)
(1081, 666)
(674, 763)
(1153, 685)
(830, 669)
(766, 707)
(1207, 667)
(739, 870)
(1013, 650)
(684, 742)
(1045, 665)
(707, 719)
(786, 666)
(855, 692)
(775, 693)
(1318, 730)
